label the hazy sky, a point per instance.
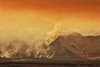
(82, 16)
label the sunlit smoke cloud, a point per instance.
(20, 44)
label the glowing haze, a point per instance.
(81, 16)
(37, 17)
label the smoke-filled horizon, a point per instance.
(45, 19)
(80, 16)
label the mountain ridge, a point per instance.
(83, 46)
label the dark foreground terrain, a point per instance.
(46, 63)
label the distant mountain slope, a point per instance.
(83, 46)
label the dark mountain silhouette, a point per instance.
(76, 45)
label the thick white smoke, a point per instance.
(20, 43)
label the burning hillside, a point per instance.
(66, 45)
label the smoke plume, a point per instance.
(15, 43)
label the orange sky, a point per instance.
(42, 15)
